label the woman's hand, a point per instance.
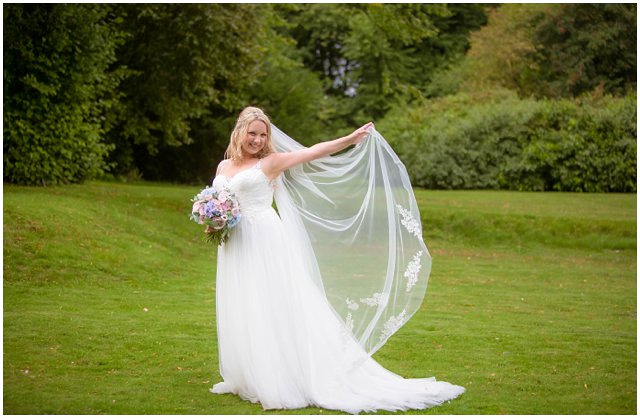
(361, 133)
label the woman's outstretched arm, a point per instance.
(276, 163)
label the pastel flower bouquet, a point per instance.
(218, 210)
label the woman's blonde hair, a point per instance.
(248, 115)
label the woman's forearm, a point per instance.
(278, 162)
(325, 148)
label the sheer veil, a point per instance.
(354, 221)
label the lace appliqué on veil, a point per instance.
(349, 321)
(353, 306)
(412, 270)
(352, 359)
(374, 300)
(393, 324)
(411, 274)
(409, 222)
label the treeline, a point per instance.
(532, 97)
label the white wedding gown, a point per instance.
(280, 342)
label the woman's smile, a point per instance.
(256, 137)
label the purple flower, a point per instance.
(210, 209)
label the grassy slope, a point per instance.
(109, 303)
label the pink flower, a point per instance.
(223, 196)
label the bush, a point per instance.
(499, 141)
(56, 89)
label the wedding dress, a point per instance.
(281, 342)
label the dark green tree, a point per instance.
(189, 63)
(555, 50)
(320, 31)
(581, 47)
(452, 39)
(292, 95)
(442, 55)
(383, 43)
(372, 56)
(57, 90)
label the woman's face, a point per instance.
(255, 140)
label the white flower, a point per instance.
(412, 270)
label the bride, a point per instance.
(306, 292)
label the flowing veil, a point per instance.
(354, 221)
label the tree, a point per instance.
(500, 51)
(189, 61)
(382, 42)
(291, 94)
(57, 87)
(581, 47)
(555, 50)
(376, 54)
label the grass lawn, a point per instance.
(109, 303)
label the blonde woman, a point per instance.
(287, 335)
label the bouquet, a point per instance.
(218, 210)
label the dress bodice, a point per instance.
(251, 187)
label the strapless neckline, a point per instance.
(256, 166)
(228, 179)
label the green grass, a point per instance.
(109, 303)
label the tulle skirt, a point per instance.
(281, 344)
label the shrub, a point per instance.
(499, 141)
